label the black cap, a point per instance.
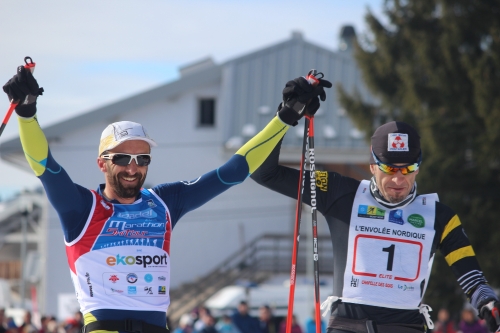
(396, 142)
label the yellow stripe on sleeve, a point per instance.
(257, 149)
(461, 253)
(35, 145)
(452, 224)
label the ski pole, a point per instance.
(312, 186)
(28, 65)
(311, 78)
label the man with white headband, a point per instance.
(384, 238)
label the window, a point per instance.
(206, 112)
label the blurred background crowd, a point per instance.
(202, 320)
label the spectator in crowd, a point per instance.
(209, 323)
(11, 325)
(185, 324)
(199, 324)
(71, 325)
(3, 327)
(48, 324)
(268, 323)
(295, 326)
(470, 323)
(43, 322)
(52, 326)
(225, 325)
(79, 319)
(243, 321)
(311, 324)
(27, 326)
(443, 323)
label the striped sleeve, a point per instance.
(482, 295)
(457, 250)
(454, 242)
(469, 281)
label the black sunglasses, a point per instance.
(125, 159)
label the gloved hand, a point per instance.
(299, 93)
(490, 312)
(23, 89)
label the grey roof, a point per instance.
(254, 82)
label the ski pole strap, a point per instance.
(424, 309)
(127, 325)
(326, 306)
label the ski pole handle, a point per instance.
(494, 311)
(312, 77)
(29, 64)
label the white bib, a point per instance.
(389, 252)
(121, 259)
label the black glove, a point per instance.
(24, 90)
(490, 312)
(300, 97)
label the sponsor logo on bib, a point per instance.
(396, 216)
(131, 278)
(404, 287)
(416, 220)
(371, 212)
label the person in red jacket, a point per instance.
(444, 324)
(295, 326)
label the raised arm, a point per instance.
(186, 196)
(71, 201)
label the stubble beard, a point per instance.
(396, 199)
(124, 191)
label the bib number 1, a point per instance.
(390, 259)
(377, 255)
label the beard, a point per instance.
(396, 199)
(126, 192)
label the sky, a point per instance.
(92, 53)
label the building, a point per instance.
(199, 121)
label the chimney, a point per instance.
(347, 37)
(296, 34)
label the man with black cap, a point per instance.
(384, 238)
(117, 237)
